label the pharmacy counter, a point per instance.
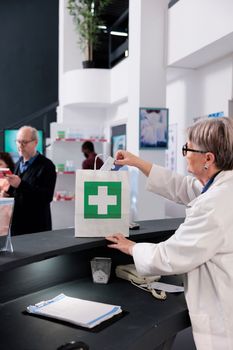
(46, 264)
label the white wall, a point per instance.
(194, 93)
(95, 87)
(194, 24)
(200, 46)
(72, 56)
(116, 115)
(147, 88)
(215, 87)
(119, 84)
(89, 87)
(176, 94)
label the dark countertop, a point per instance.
(44, 245)
(146, 322)
(48, 263)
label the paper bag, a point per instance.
(101, 203)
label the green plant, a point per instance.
(87, 20)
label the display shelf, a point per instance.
(80, 139)
(65, 172)
(66, 153)
(64, 200)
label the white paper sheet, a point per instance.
(78, 311)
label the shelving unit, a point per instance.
(71, 149)
(63, 200)
(63, 210)
(65, 172)
(60, 151)
(80, 139)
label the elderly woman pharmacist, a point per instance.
(202, 247)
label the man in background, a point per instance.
(89, 153)
(32, 186)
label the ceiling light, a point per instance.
(102, 27)
(118, 33)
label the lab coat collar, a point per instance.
(223, 176)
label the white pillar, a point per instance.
(147, 88)
(70, 55)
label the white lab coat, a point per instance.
(202, 248)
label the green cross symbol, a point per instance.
(102, 200)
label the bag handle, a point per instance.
(97, 156)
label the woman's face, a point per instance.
(3, 164)
(195, 161)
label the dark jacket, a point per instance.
(33, 196)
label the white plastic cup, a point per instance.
(101, 269)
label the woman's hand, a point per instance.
(127, 158)
(121, 243)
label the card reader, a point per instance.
(134, 226)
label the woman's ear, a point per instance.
(210, 158)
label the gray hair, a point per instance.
(34, 132)
(215, 135)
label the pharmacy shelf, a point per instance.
(65, 172)
(64, 200)
(80, 140)
(63, 150)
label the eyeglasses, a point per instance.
(185, 149)
(23, 142)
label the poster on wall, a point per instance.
(118, 138)
(171, 152)
(118, 142)
(153, 128)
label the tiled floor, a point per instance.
(184, 341)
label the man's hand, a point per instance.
(3, 194)
(14, 180)
(121, 243)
